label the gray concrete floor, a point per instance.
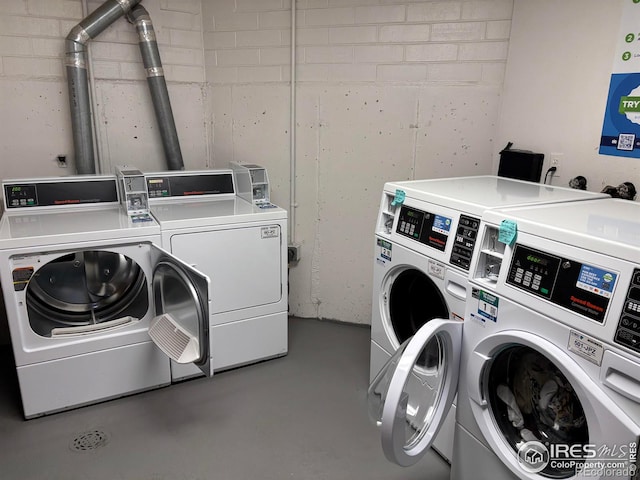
(303, 416)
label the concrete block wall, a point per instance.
(34, 90)
(357, 40)
(386, 90)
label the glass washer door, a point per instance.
(411, 403)
(532, 400)
(605, 423)
(181, 298)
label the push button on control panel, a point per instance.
(628, 331)
(465, 240)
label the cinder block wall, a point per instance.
(34, 98)
(386, 90)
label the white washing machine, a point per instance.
(548, 367)
(425, 237)
(242, 248)
(85, 289)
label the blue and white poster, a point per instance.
(621, 126)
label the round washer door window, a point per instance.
(414, 300)
(85, 288)
(532, 401)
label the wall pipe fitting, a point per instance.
(139, 17)
(75, 63)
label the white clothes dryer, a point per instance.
(242, 248)
(548, 359)
(424, 240)
(88, 294)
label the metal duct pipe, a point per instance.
(75, 62)
(157, 86)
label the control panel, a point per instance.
(628, 331)
(464, 241)
(189, 184)
(427, 228)
(59, 192)
(582, 288)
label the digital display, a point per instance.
(538, 260)
(158, 187)
(190, 185)
(533, 271)
(60, 193)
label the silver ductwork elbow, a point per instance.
(139, 17)
(75, 64)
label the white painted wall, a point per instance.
(34, 101)
(556, 86)
(386, 91)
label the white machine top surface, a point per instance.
(609, 226)
(52, 227)
(199, 212)
(477, 194)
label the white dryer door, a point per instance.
(181, 298)
(411, 396)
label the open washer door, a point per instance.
(410, 401)
(181, 296)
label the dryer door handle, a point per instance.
(457, 290)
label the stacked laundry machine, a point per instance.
(547, 361)
(115, 284)
(425, 237)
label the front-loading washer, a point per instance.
(90, 297)
(547, 361)
(242, 248)
(425, 237)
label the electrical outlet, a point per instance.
(556, 159)
(293, 252)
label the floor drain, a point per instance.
(89, 441)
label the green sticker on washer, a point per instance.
(488, 306)
(508, 232)
(399, 198)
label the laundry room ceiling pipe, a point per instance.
(157, 86)
(75, 62)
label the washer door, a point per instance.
(409, 402)
(181, 297)
(539, 410)
(413, 299)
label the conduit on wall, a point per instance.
(79, 101)
(292, 132)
